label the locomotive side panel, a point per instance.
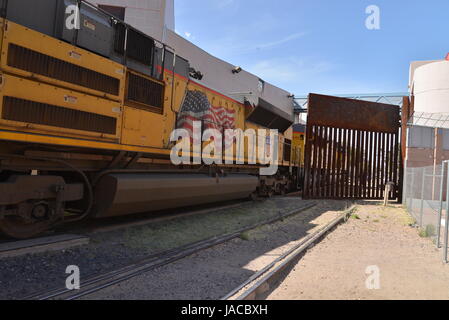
(34, 55)
(35, 107)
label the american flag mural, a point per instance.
(196, 107)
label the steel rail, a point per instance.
(263, 276)
(99, 282)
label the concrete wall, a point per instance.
(146, 15)
(170, 14)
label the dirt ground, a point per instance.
(375, 241)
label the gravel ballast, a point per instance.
(28, 274)
(213, 273)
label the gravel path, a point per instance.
(410, 267)
(25, 275)
(212, 273)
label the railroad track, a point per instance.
(143, 219)
(131, 221)
(102, 281)
(258, 284)
(91, 227)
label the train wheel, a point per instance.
(254, 196)
(283, 190)
(18, 228)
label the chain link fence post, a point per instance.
(411, 188)
(440, 208)
(446, 220)
(423, 183)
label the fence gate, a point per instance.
(352, 149)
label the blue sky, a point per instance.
(319, 46)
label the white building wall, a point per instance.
(218, 75)
(170, 14)
(415, 65)
(430, 86)
(147, 16)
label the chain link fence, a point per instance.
(425, 196)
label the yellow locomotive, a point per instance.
(86, 124)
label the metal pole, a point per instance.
(440, 209)
(421, 212)
(404, 183)
(446, 224)
(411, 189)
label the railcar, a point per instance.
(86, 116)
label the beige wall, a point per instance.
(420, 157)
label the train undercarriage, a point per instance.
(43, 186)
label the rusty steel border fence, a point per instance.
(352, 149)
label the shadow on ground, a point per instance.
(210, 274)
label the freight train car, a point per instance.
(86, 117)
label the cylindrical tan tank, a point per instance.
(431, 87)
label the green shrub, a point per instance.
(428, 231)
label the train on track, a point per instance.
(86, 117)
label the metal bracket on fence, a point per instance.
(389, 187)
(411, 187)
